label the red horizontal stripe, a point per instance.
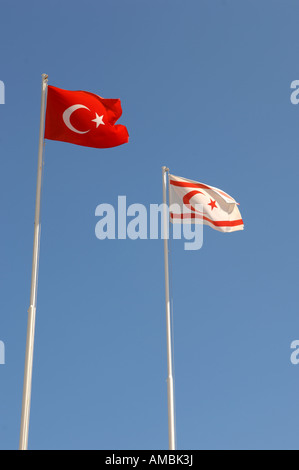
(185, 184)
(220, 223)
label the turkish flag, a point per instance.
(83, 118)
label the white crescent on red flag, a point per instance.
(218, 209)
(83, 118)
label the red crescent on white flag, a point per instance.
(187, 197)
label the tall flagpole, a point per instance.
(34, 279)
(170, 392)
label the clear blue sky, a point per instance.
(205, 90)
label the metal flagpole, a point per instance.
(34, 279)
(170, 392)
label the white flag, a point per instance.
(218, 209)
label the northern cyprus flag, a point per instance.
(195, 202)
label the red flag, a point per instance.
(83, 118)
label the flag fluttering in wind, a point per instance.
(218, 209)
(83, 118)
(190, 202)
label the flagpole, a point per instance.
(34, 280)
(170, 392)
